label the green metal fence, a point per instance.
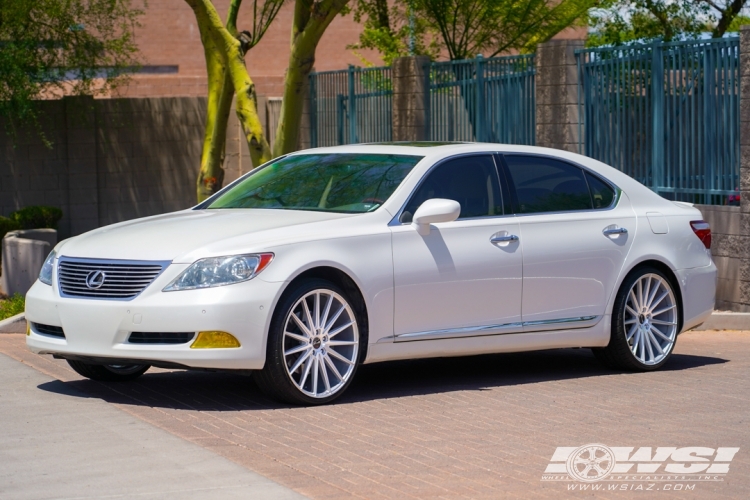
(350, 106)
(666, 114)
(484, 100)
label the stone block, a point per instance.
(734, 246)
(723, 220)
(728, 290)
(23, 255)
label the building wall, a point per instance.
(111, 160)
(169, 36)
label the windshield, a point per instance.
(344, 182)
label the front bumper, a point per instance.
(101, 328)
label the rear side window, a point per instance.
(601, 194)
(470, 180)
(548, 185)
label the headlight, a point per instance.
(45, 275)
(219, 271)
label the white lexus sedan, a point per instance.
(326, 259)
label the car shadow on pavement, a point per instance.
(223, 391)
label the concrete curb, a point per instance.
(726, 321)
(14, 324)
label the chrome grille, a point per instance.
(106, 279)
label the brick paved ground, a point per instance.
(481, 427)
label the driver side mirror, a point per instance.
(435, 210)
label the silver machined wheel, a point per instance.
(650, 319)
(321, 343)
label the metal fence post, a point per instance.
(352, 111)
(313, 111)
(657, 115)
(479, 101)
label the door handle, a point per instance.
(504, 238)
(614, 230)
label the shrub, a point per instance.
(6, 225)
(37, 217)
(10, 306)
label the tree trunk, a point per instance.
(311, 19)
(227, 75)
(220, 93)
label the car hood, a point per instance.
(173, 236)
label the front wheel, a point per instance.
(313, 345)
(645, 323)
(108, 373)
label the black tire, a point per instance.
(108, 373)
(618, 354)
(274, 379)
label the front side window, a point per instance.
(336, 182)
(547, 185)
(469, 180)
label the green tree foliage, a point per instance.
(622, 21)
(394, 30)
(465, 28)
(50, 48)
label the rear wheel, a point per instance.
(108, 373)
(645, 322)
(313, 345)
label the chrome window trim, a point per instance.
(82, 260)
(615, 188)
(395, 220)
(501, 329)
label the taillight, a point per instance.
(703, 231)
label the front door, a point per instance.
(576, 232)
(464, 278)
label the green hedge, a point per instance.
(6, 225)
(37, 217)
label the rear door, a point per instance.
(575, 233)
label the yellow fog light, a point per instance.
(215, 340)
(28, 328)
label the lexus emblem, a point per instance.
(95, 279)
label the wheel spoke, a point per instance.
(308, 316)
(341, 342)
(324, 373)
(317, 310)
(646, 292)
(652, 295)
(340, 329)
(333, 368)
(662, 311)
(649, 349)
(660, 334)
(631, 311)
(634, 301)
(308, 365)
(640, 294)
(299, 361)
(630, 321)
(633, 329)
(660, 322)
(658, 301)
(315, 376)
(301, 325)
(340, 357)
(655, 342)
(297, 337)
(327, 310)
(335, 317)
(299, 348)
